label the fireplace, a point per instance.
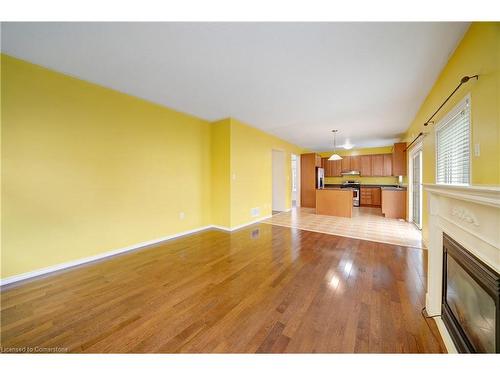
(470, 300)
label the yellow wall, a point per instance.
(477, 53)
(86, 169)
(251, 171)
(363, 180)
(221, 168)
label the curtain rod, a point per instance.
(462, 81)
(412, 142)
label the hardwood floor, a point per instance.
(261, 289)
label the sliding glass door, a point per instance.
(416, 187)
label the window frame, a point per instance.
(442, 123)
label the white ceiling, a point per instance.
(295, 80)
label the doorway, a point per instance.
(415, 186)
(295, 186)
(279, 181)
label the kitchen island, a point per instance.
(334, 202)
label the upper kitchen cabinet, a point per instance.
(356, 163)
(346, 163)
(387, 164)
(399, 159)
(377, 165)
(336, 168)
(366, 165)
(332, 168)
(318, 160)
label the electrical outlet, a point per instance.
(234, 176)
(182, 215)
(255, 212)
(477, 150)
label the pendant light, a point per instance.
(335, 156)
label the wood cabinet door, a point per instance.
(387, 164)
(324, 165)
(318, 160)
(346, 163)
(377, 165)
(376, 197)
(366, 165)
(336, 168)
(399, 159)
(365, 196)
(327, 166)
(356, 163)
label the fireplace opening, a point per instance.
(471, 300)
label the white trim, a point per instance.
(418, 147)
(74, 263)
(485, 195)
(445, 335)
(231, 229)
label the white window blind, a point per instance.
(453, 146)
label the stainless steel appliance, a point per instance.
(320, 178)
(355, 186)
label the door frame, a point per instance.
(419, 147)
(297, 163)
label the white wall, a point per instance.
(279, 181)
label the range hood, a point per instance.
(350, 173)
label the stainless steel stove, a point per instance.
(356, 186)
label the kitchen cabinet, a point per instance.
(387, 164)
(356, 163)
(324, 165)
(370, 196)
(332, 167)
(308, 164)
(377, 165)
(335, 202)
(365, 198)
(346, 163)
(399, 159)
(336, 168)
(394, 203)
(376, 197)
(317, 159)
(366, 165)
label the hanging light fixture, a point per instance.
(335, 156)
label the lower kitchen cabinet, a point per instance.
(370, 196)
(394, 203)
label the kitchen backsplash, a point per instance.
(363, 180)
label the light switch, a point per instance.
(477, 149)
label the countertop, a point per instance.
(395, 187)
(336, 188)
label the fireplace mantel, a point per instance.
(471, 216)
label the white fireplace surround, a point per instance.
(471, 216)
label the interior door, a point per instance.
(417, 188)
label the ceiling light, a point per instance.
(335, 156)
(348, 146)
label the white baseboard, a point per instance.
(448, 342)
(249, 223)
(230, 229)
(74, 263)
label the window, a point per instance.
(453, 146)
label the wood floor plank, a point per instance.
(264, 288)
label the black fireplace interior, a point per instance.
(471, 300)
